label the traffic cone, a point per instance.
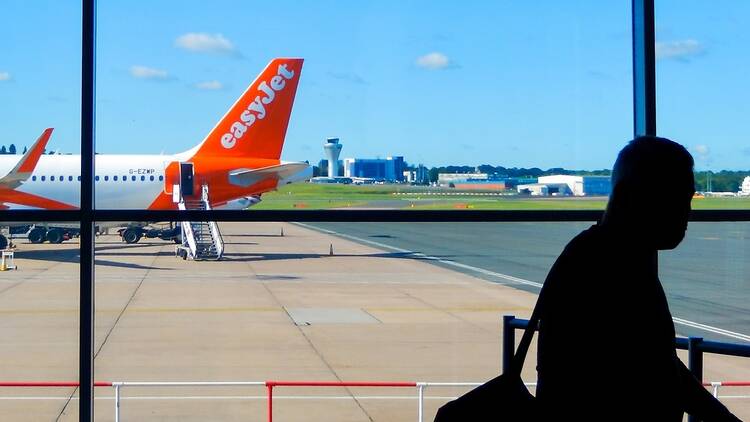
(282, 232)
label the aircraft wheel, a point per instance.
(55, 236)
(3, 242)
(37, 235)
(131, 236)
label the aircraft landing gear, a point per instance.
(37, 235)
(55, 236)
(132, 235)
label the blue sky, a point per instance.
(510, 83)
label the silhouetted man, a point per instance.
(606, 342)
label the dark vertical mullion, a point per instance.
(644, 68)
(86, 287)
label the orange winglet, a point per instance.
(30, 160)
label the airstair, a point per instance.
(201, 240)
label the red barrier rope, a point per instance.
(735, 384)
(338, 384)
(728, 384)
(271, 384)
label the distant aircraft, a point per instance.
(237, 161)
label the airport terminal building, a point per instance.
(390, 169)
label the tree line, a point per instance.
(11, 150)
(514, 172)
(719, 181)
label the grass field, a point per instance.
(332, 196)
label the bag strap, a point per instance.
(516, 364)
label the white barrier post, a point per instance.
(715, 387)
(117, 401)
(420, 393)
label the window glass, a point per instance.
(701, 94)
(366, 301)
(40, 107)
(40, 90)
(39, 303)
(502, 109)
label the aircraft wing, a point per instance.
(247, 177)
(22, 171)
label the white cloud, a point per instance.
(679, 50)
(210, 85)
(143, 72)
(702, 152)
(701, 149)
(4, 76)
(433, 61)
(204, 43)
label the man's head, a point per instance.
(652, 186)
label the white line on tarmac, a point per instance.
(427, 257)
(685, 322)
(715, 330)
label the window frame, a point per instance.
(644, 123)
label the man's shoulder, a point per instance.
(587, 242)
(580, 260)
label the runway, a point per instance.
(707, 278)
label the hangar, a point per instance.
(568, 185)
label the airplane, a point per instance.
(238, 160)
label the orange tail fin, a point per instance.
(255, 126)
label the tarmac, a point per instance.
(705, 278)
(277, 308)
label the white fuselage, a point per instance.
(122, 181)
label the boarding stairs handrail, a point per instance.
(201, 239)
(215, 232)
(188, 237)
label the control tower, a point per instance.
(332, 148)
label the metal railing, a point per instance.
(696, 347)
(270, 387)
